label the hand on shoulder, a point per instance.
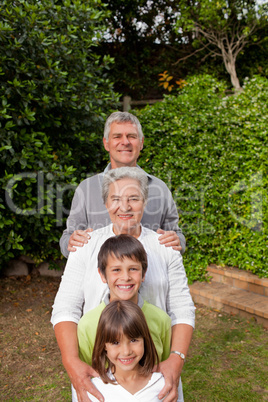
(169, 238)
(78, 238)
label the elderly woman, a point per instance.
(125, 193)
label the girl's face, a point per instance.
(126, 353)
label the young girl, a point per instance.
(124, 356)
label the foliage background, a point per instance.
(212, 150)
(55, 96)
(56, 91)
(144, 45)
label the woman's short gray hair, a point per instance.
(122, 117)
(134, 173)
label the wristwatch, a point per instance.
(182, 356)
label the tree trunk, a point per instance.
(230, 67)
(234, 78)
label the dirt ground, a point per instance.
(31, 368)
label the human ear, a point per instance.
(103, 278)
(142, 141)
(105, 144)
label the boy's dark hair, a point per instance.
(122, 246)
(122, 317)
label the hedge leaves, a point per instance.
(212, 150)
(54, 98)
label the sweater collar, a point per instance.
(108, 167)
(106, 300)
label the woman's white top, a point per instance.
(165, 284)
(116, 393)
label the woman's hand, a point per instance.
(80, 374)
(78, 371)
(171, 370)
(170, 239)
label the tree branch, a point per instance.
(191, 54)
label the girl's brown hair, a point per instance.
(122, 316)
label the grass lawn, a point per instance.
(227, 360)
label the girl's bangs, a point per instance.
(122, 326)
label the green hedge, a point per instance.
(54, 99)
(212, 151)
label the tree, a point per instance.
(139, 35)
(54, 98)
(222, 28)
(52, 77)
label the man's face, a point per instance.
(124, 278)
(123, 145)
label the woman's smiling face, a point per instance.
(125, 205)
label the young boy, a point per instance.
(122, 264)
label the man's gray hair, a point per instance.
(122, 117)
(125, 172)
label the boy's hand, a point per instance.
(170, 239)
(78, 238)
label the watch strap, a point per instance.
(182, 355)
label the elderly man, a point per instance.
(123, 139)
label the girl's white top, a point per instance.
(116, 393)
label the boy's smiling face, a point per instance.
(124, 278)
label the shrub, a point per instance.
(212, 150)
(54, 99)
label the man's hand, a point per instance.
(80, 374)
(78, 238)
(171, 370)
(170, 239)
